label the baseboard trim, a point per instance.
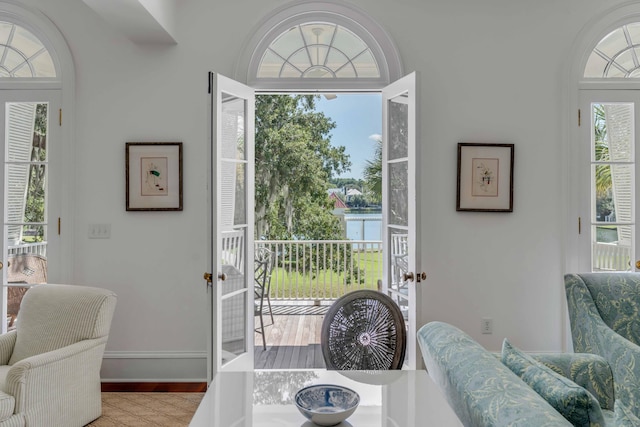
(163, 387)
(155, 355)
(154, 366)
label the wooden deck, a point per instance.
(293, 342)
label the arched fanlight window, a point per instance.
(316, 45)
(617, 55)
(318, 50)
(22, 54)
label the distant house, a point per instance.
(338, 210)
(351, 193)
(338, 203)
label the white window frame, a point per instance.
(60, 263)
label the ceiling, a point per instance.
(142, 21)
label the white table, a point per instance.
(265, 399)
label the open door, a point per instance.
(400, 200)
(230, 283)
(29, 242)
(609, 234)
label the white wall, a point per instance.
(490, 71)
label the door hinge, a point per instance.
(579, 225)
(579, 117)
(59, 224)
(60, 116)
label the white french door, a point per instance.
(608, 158)
(401, 267)
(230, 287)
(29, 234)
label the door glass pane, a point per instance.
(234, 341)
(233, 165)
(399, 267)
(233, 119)
(233, 303)
(613, 132)
(240, 211)
(398, 127)
(610, 251)
(27, 263)
(17, 184)
(612, 186)
(234, 183)
(612, 192)
(398, 211)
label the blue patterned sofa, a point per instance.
(484, 392)
(604, 311)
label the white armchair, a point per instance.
(50, 364)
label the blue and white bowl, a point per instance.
(325, 404)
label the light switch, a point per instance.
(99, 231)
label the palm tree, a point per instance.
(373, 172)
(603, 173)
(603, 180)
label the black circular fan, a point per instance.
(364, 330)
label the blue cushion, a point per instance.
(575, 403)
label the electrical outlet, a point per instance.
(99, 231)
(486, 325)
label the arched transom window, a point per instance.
(319, 45)
(318, 50)
(22, 54)
(617, 55)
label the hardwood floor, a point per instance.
(293, 342)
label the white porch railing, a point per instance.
(314, 270)
(611, 257)
(39, 248)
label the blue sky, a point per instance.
(358, 117)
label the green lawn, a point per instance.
(286, 283)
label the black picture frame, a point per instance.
(153, 176)
(485, 177)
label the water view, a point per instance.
(364, 226)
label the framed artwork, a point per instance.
(485, 177)
(154, 176)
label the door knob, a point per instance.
(208, 277)
(407, 277)
(422, 276)
(222, 277)
(638, 264)
(1, 265)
